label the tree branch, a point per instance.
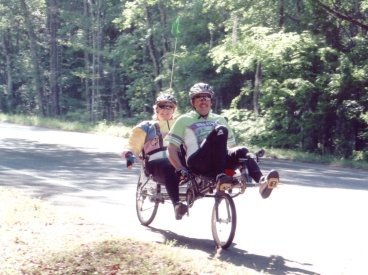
(342, 16)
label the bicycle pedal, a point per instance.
(241, 186)
(225, 186)
(183, 182)
(272, 182)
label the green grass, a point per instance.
(316, 158)
(101, 127)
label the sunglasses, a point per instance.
(165, 106)
(202, 97)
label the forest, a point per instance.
(287, 74)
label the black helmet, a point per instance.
(201, 88)
(165, 98)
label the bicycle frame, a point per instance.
(199, 186)
(151, 193)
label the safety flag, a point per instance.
(175, 28)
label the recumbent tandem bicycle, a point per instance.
(150, 194)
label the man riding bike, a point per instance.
(208, 143)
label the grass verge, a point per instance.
(101, 127)
(315, 158)
(38, 238)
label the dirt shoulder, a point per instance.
(39, 238)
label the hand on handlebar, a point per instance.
(260, 153)
(255, 156)
(183, 173)
(130, 159)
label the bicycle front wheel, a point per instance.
(146, 201)
(223, 221)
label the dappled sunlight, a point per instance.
(59, 170)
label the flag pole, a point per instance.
(173, 63)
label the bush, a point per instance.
(248, 129)
(360, 156)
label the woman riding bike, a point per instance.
(147, 141)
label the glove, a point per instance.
(183, 173)
(130, 159)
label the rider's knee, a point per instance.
(241, 152)
(221, 129)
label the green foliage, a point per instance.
(248, 128)
(360, 155)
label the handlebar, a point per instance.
(255, 156)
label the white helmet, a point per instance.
(201, 88)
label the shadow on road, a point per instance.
(57, 169)
(318, 175)
(274, 264)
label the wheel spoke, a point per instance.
(146, 204)
(223, 221)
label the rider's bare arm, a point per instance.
(174, 158)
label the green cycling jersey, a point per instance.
(191, 129)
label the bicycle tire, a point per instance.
(223, 220)
(146, 201)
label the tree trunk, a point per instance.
(93, 64)
(87, 63)
(35, 59)
(257, 87)
(165, 40)
(152, 52)
(102, 94)
(8, 70)
(95, 14)
(54, 54)
(281, 13)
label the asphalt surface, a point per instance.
(313, 223)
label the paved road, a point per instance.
(314, 223)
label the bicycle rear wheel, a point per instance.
(223, 221)
(146, 201)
